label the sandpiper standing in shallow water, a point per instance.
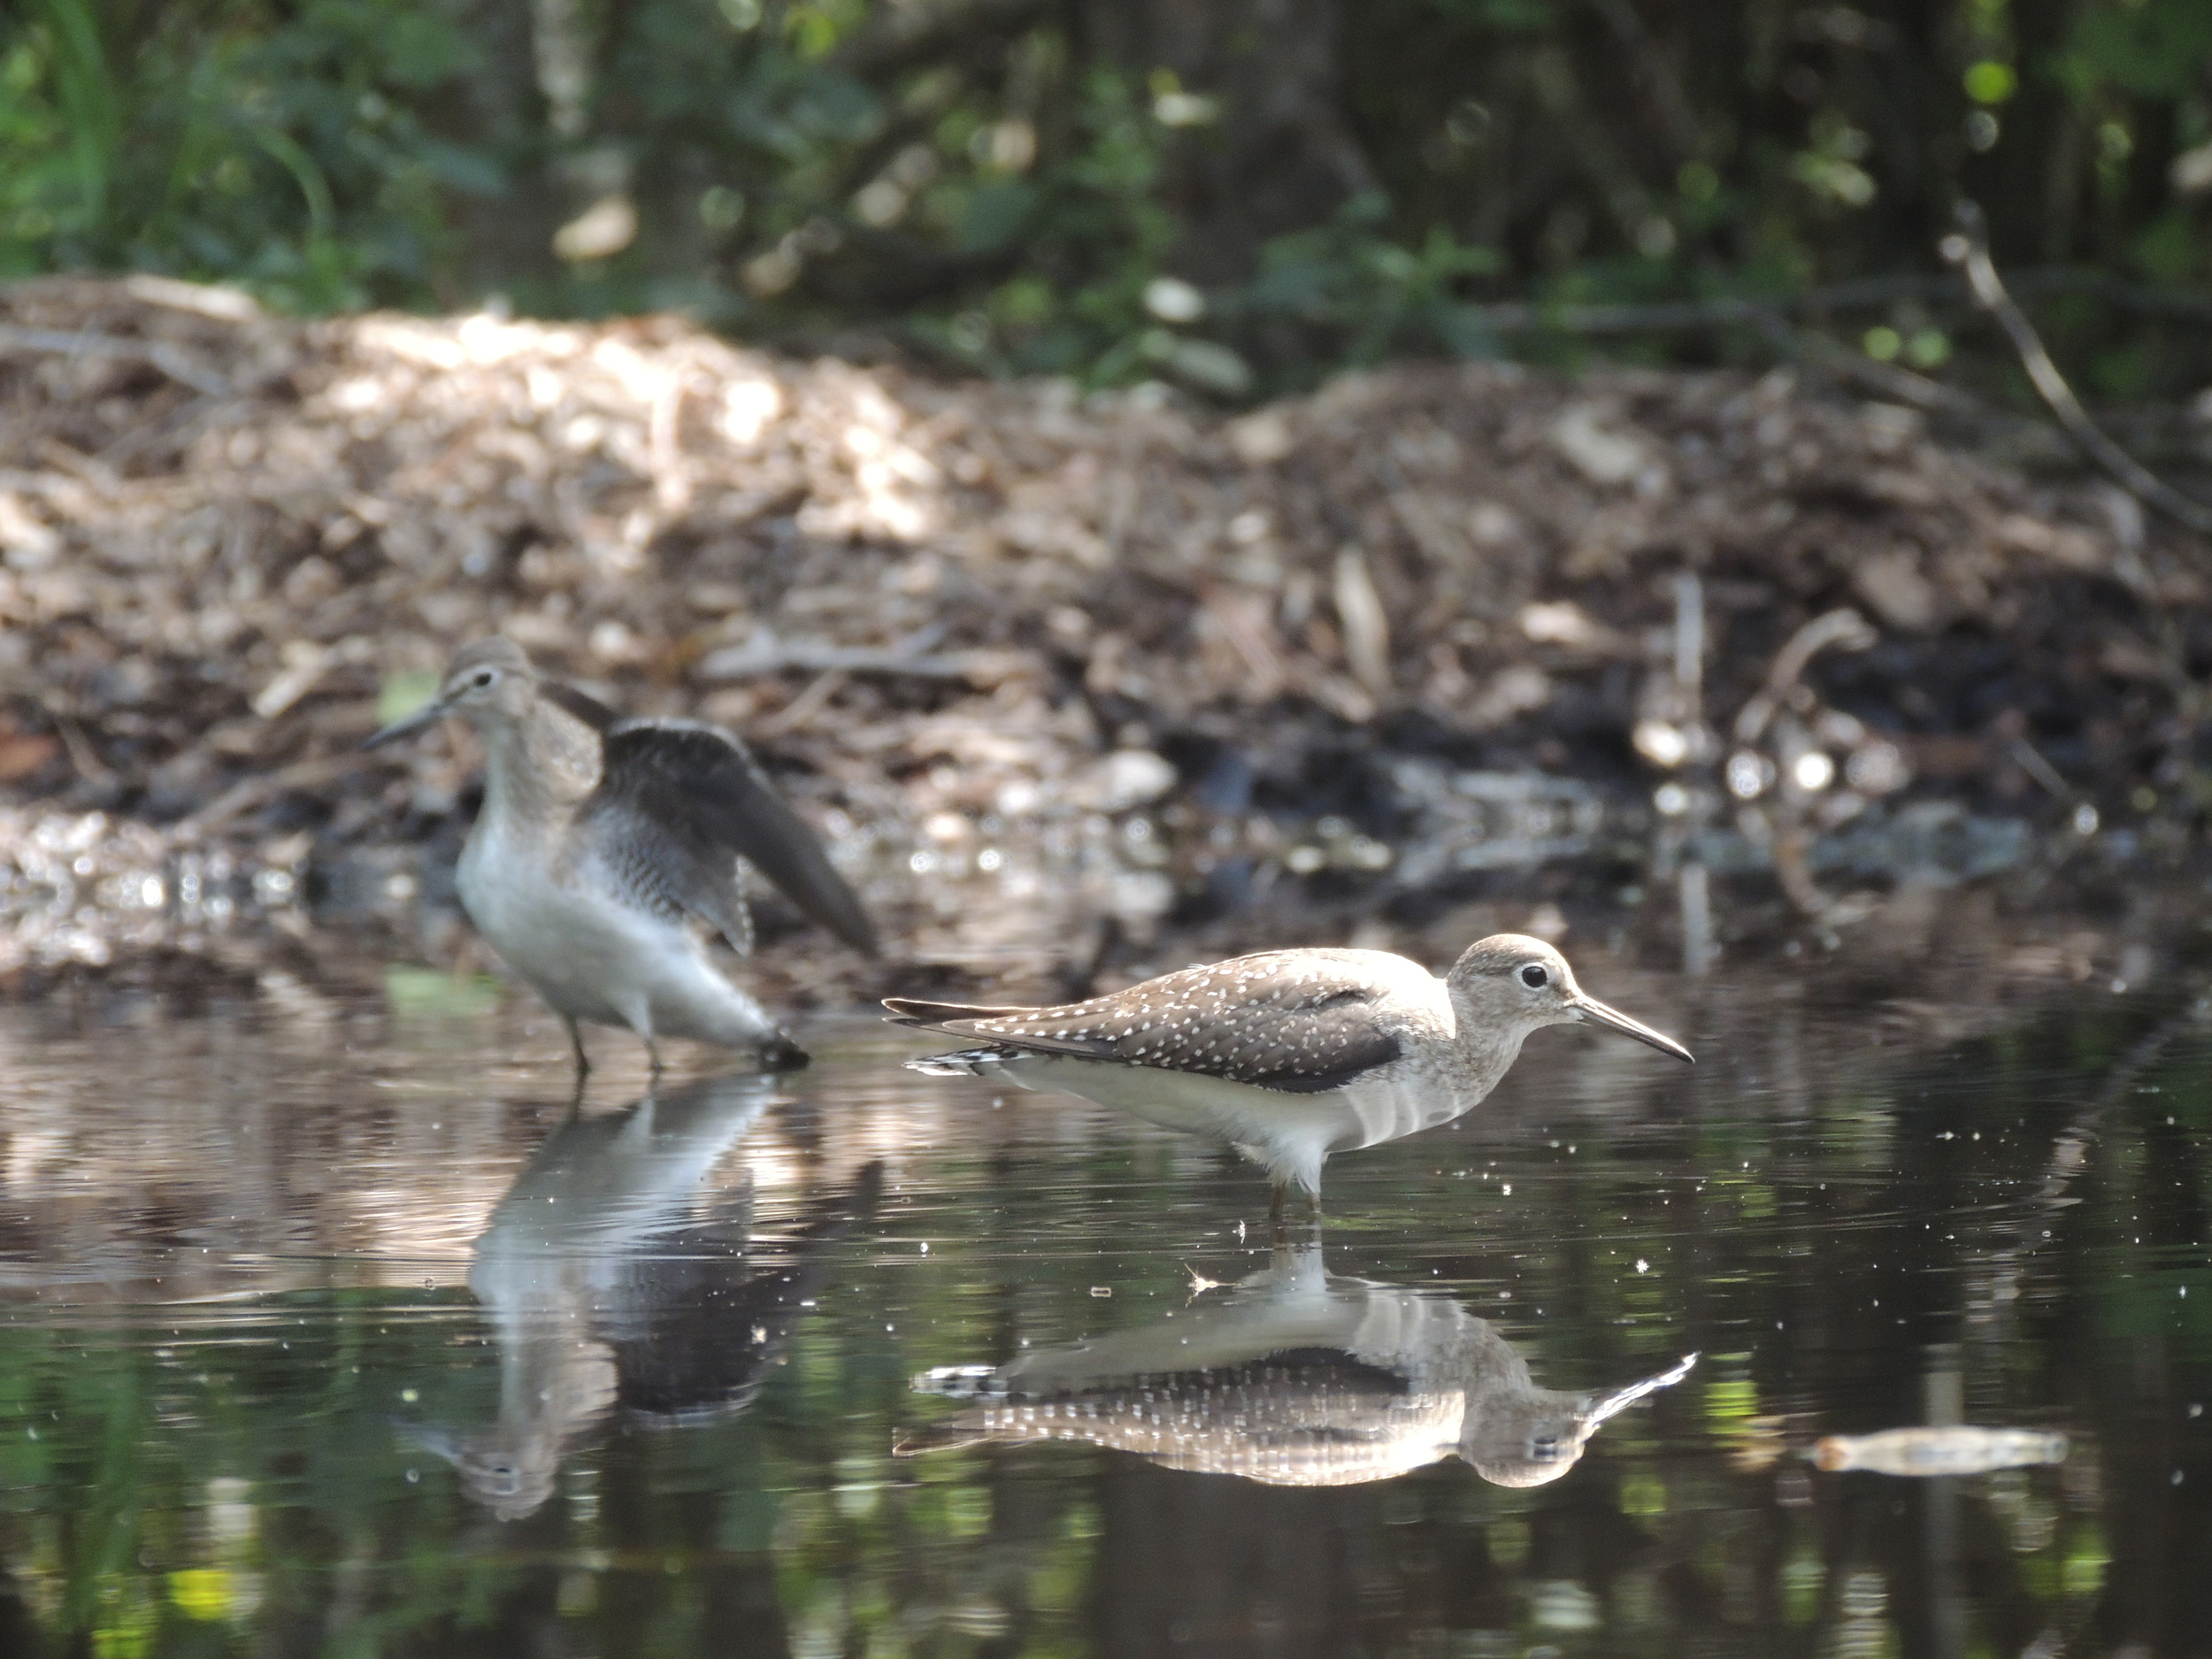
(605, 845)
(1287, 1055)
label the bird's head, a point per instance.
(1512, 983)
(489, 684)
(1527, 1439)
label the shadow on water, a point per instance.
(326, 1325)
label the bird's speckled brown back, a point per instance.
(1297, 1020)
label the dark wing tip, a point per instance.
(701, 782)
(916, 1011)
(858, 932)
(585, 707)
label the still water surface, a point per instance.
(327, 1326)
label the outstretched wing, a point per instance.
(1302, 1021)
(678, 803)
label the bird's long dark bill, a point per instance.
(428, 715)
(1598, 1014)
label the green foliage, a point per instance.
(1010, 194)
(279, 147)
(1369, 295)
(2151, 48)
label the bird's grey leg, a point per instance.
(576, 1046)
(640, 1015)
(1279, 1208)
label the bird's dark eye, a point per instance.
(1535, 976)
(484, 677)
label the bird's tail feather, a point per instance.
(956, 1435)
(915, 1010)
(966, 1062)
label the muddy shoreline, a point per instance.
(1125, 661)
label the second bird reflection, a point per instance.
(1294, 1378)
(620, 1283)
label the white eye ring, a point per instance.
(1534, 977)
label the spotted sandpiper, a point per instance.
(606, 845)
(1294, 1378)
(1287, 1055)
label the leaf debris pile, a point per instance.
(956, 615)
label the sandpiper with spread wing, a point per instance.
(605, 846)
(1287, 1055)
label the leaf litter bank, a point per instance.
(1029, 655)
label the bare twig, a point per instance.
(69, 343)
(2069, 1152)
(1968, 248)
(776, 657)
(249, 795)
(801, 708)
(1366, 627)
(1511, 317)
(1892, 381)
(1689, 643)
(2031, 762)
(1844, 629)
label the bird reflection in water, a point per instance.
(619, 1284)
(1293, 1378)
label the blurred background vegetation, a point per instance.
(1238, 196)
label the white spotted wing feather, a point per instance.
(1302, 1021)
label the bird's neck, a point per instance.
(539, 768)
(1483, 1050)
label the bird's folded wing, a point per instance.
(1279, 1021)
(1294, 1420)
(677, 804)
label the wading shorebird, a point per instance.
(606, 846)
(1287, 1055)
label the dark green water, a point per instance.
(324, 1329)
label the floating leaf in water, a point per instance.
(1939, 1451)
(429, 992)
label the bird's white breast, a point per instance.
(566, 938)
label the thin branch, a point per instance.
(1843, 629)
(749, 661)
(1968, 248)
(77, 343)
(1512, 317)
(1892, 381)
